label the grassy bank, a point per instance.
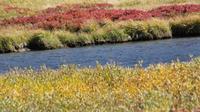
(93, 32)
(186, 27)
(163, 87)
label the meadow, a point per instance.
(170, 87)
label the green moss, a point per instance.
(44, 41)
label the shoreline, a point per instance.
(111, 33)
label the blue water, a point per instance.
(127, 54)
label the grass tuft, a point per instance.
(148, 30)
(186, 26)
(44, 41)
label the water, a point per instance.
(127, 54)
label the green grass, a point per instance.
(162, 87)
(68, 39)
(12, 42)
(98, 33)
(148, 30)
(44, 41)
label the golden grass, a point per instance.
(162, 87)
(144, 4)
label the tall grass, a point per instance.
(186, 26)
(68, 39)
(148, 30)
(43, 41)
(15, 41)
(163, 87)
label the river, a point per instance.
(126, 54)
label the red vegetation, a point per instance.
(173, 10)
(75, 15)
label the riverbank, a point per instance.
(95, 33)
(162, 87)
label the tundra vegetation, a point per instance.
(171, 87)
(51, 24)
(64, 23)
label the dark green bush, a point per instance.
(44, 41)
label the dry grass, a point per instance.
(162, 87)
(41, 4)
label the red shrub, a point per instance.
(165, 11)
(69, 15)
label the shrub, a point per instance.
(44, 41)
(187, 26)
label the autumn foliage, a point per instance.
(75, 15)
